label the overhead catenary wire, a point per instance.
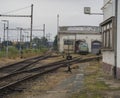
(16, 10)
(31, 25)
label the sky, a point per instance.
(71, 13)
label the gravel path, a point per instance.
(55, 85)
(68, 86)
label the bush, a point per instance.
(13, 52)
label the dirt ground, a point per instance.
(87, 80)
(5, 61)
(47, 86)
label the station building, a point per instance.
(76, 34)
(110, 28)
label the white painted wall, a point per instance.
(109, 10)
(62, 38)
(108, 57)
(88, 38)
(118, 36)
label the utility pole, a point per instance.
(48, 38)
(4, 33)
(20, 40)
(68, 42)
(7, 34)
(25, 29)
(58, 31)
(31, 26)
(31, 16)
(43, 30)
(20, 45)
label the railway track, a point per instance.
(20, 76)
(12, 68)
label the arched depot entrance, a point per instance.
(96, 47)
(77, 45)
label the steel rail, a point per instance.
(20, 77)
(20, 65)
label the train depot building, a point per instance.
(111, 37)
(70, 37)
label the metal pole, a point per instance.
(43, 30)
(116, 14)
(31, 26)
(28, 36)
(20, 42)
(68, 42)
(58, 31)
(7, 37)
(75, 43)
(4, 33)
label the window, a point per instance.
(107, 29)
(68, 42)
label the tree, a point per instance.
(55, 46)
(44, 41)
(4, 43)
(26, 45)
(37, 42)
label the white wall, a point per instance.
(88, 38)
(118, 36)
(62, 38)
(109, 10)
(108, 57)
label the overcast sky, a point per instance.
(45, 12)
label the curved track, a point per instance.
(12, 68)
(23, 75)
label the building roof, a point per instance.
(79, 29)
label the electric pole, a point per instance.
(58, 31)
(4, 33)
(43, 30)
(20, 45)
(31, 26)
(7, 34)
(20, 40)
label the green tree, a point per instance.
(44, 41)
(37, 42)
(55, 46)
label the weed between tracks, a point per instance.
(94, 84)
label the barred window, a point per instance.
(68, 42)
(107, 29)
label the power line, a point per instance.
(31, 16)
(16, 10)
(15, 15)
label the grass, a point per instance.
(2, 53)
(93, 83)
(87, 95)
(15, 53)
